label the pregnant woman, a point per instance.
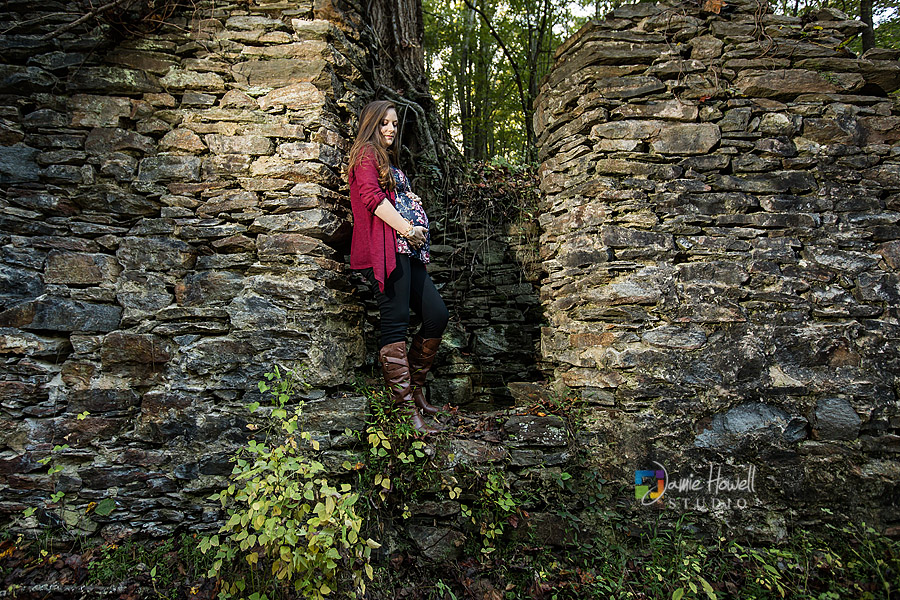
(390, 247)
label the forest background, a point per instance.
(485, 60)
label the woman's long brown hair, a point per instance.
(369, 140)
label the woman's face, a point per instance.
(388, 127)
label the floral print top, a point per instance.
(409, 205)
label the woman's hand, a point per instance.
(417, 237)
(387, 213)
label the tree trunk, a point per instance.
(400, 64)
(464, 87)
(865, 15)
(399, 72)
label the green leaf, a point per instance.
(677, 594)
(105, 507)
(707, 588)
(253, 406)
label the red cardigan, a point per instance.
(374, 242)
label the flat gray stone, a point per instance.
(475, 452)
(674, 336)
(750, 421)
(169, 167)
(835, 419)
(687, 138)
(60, 314)
(336, 413)
(438, 544)
(532, 430)
(18, 164)
(113, 80)
(630, 86)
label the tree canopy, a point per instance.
(486, 59)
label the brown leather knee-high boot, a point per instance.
(421, 357)
(395, 367)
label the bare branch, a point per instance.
(93, 13)
(34, 21)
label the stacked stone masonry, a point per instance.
(171, 223)
(721, 239)
(720, 244)
(174, 222)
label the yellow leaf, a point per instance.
(370, 571)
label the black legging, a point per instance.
(409, 286)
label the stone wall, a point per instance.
(720, 243)
(488, 273)
(172, 225)
(721, 239)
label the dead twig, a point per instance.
(85, 17)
